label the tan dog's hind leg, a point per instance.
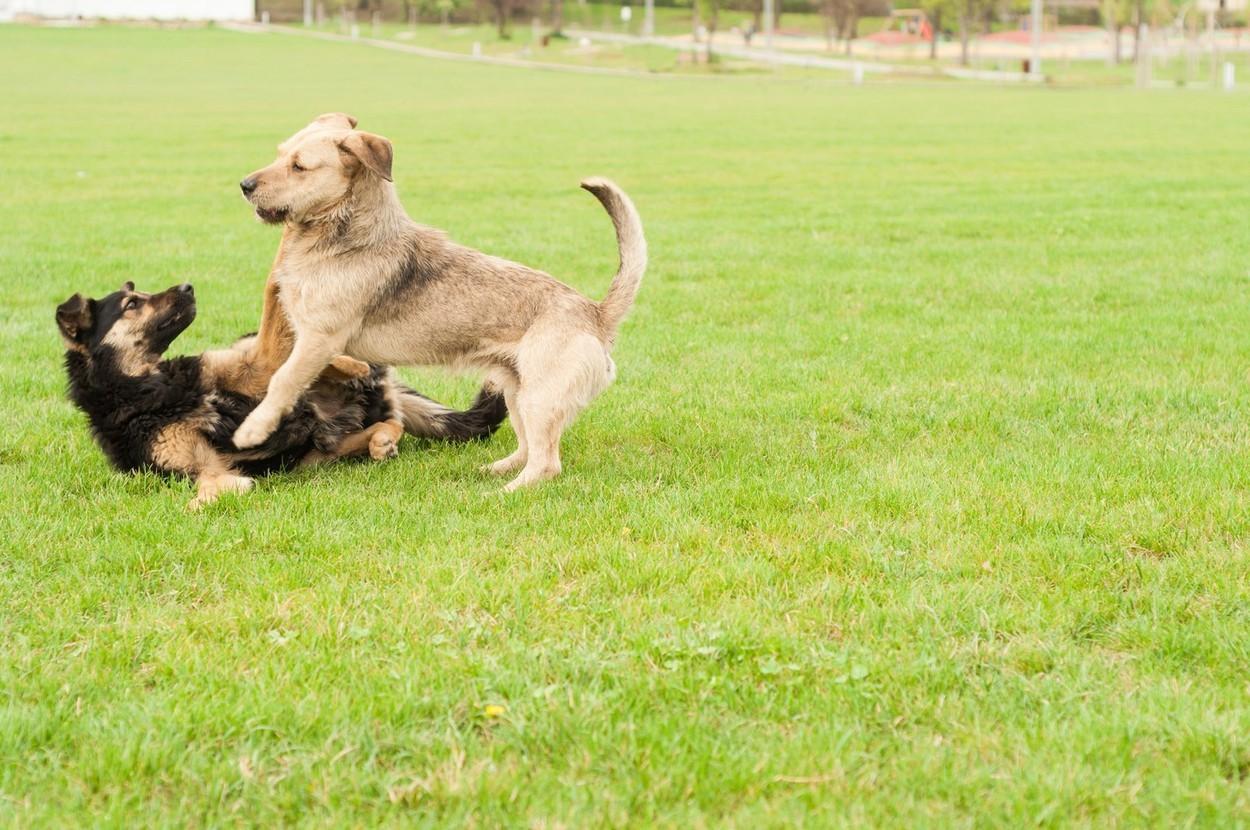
(559, 378)
(543, 421)
(517, 459)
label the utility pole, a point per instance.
(1035, 39)
(648, 19)
(308, 14)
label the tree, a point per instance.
(841, 20)
(935, 22)
(829, 14)
(972, 14)
(501, 11)
(1110, 12)
(710, 12)
(850, 24)
(557, 17)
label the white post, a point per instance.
(648, 19)
(308, 14)
(768, 24)
(1035, 41)
(1230, 76)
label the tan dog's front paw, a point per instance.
(255, 428)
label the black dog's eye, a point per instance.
(297, 167)
(132, 303)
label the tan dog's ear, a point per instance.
(373, 151)
(74, 317)
(336, 119)
(128, 286)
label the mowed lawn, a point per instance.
(922, 499)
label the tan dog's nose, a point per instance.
(248, 186)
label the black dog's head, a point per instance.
(136, 328)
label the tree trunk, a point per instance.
(852, 27)
(503, 9)
(713, 18)
(1137, 21)
(696, 23)
(757, 15)
(937, 27)
(557, 17)
(826, 9)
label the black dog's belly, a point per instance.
(321, 419)
(294, 438)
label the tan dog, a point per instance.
(357, 276)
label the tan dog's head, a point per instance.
(316, 169)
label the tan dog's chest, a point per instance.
(317, 297)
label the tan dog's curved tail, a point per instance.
(633, 252)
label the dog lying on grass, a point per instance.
(177, 415)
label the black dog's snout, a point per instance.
(248, 186)
(186, 288)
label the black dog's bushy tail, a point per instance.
(425, 418)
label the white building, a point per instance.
(131, 9)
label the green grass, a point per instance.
(922, 499)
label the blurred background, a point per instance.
(1147, 43)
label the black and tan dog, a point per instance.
(177, 415)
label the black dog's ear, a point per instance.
(128, 286)
(74, 317)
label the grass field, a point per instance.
(922, 499)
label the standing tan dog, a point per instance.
(357, 276)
